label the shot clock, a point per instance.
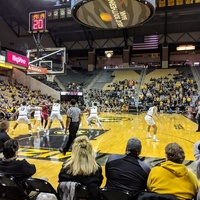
(37, 21)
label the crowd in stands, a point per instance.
(51, 84)
(72, 86)
(12, 97)
(172, 94)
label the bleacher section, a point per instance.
(158, 73)
(105, 78)
(81, 77)
(122, 75)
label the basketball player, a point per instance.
(55, 113)
(44, 114)
(151, 123)
(23, 111)
(37, 116)
(93, 115)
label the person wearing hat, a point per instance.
(4, 128)
(127, 171)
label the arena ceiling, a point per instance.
(177, 19)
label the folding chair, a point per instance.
(40, 185)
(114, 194)
(73, 189)
(155, 196)
(82, 193)
(11, 189)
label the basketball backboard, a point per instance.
(53, 59)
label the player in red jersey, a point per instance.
(45, 114)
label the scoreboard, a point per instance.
(37, 21)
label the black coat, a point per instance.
(92, 182)
(3, 138)
(20, 169)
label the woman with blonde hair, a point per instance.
(82, 167)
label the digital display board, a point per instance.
(67, 96)
(112, 14)
(37, 21)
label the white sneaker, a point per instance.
(47, 133)
(155, 140)
(148, 136)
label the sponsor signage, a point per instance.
(39, 70)
(17, 59)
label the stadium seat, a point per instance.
(11, 189)
(155, 196)
(79, 191)
(82, 193)
(40, 185)
(115, 194)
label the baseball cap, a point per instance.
(134, 144)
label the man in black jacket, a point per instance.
(4, 127)
(127, 172)
(9, 164)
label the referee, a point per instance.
(72, 122)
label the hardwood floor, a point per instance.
(118, 128)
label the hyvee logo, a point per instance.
(18, 60)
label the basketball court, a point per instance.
(42, 150)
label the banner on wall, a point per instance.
(17, 60)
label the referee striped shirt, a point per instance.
(74, 113)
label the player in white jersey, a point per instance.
(37, 116)
(22, 112)
(151, 123)
(55, 113)
(93, 115)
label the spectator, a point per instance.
(4, 128)
(9, 164)
(172, 177)
(197, 161)
(127, 172)
(82, 167)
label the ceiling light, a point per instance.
(185, 47)
(109, 54)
